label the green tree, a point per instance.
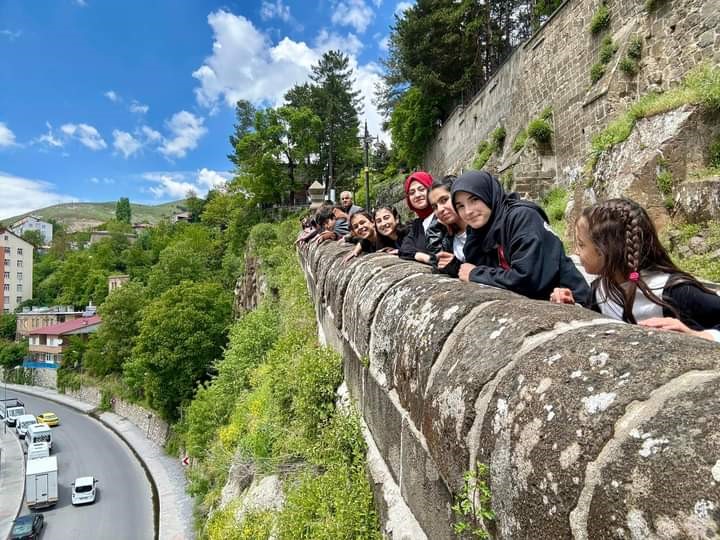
(33, 237)
(8, 323)
(337, 104)
(111, 346)
(123, 212)
(412, 127)
(194, 205)
(181, 334)
(194, 255)
(12, 353)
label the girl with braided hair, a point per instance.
(637, 281)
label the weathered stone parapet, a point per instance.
(591, 428)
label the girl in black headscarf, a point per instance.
(510, 244)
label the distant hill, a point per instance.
(85, 216)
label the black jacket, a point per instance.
(414, 240)
(535, 255)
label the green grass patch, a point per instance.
(520, 140)
(540, 130)
(714, 154)
(554, 203)
(629, 66)
(498, 138)
(597, 70)
(484, 151)
(705, 266)
(634, 49)
(607, 50)
(600, 20)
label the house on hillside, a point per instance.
(38, 317)
(16, 263)
(117, 281)
(33, 223)
(181, 216)
(141, 227)
(97, 236)
(47, 345)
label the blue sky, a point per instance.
(102, 99)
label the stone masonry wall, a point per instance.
(591, 428)
(552, 69)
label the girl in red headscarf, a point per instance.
(413, 246)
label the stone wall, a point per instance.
(591, 428)
(154, 427)
(552, 69)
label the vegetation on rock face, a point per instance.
(473, 514)
(700, 87)
(607, 50)
(271, 404)
(520, 140)
(540, 130)
(600, 19)
(554, 203)
(702, 262)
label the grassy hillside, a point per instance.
(80, 216)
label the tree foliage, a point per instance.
(180, 335)
(280, 150)
(112, 345)
(33, 237)
(123, 212)
(447, 51)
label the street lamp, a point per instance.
(367, 139)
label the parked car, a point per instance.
(27, 527)
(49, 419)
(22, 422)
(83, 490)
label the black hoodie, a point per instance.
(516, 249)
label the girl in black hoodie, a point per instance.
(510, 244)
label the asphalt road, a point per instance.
(83, 446)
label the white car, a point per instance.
(83, 490)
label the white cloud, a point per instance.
(11, 35)
(265, 72)
(81, 3)
(106, 180)
(212, 179)
(268, 71)
(384, 44)
(330, 41)
(355, 13)
(50, 139)
(273, 10)
(21, 195)
(138, 108)
(186, 129)
(177, 184)
(125, 143)
(150, 134)
(112, 96)
(86, 134)
(7, 137)
(402, 7)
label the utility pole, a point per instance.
(367, 170)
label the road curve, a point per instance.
(84, 447)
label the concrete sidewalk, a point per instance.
(12, 478)
(176, 506)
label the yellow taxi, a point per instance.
(49, 419)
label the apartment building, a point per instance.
(47, 345)
(16, 263)
(32, 223)
(38, 317)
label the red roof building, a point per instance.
(47, 344)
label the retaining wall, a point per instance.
(591, 428)
(553, 69)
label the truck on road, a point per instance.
(41, 487)
(10, 409)
(36, 433)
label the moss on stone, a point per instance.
(607, 50)
(540, 130)
(597, 71)
(629, 66)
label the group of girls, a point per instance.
(471, 228)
